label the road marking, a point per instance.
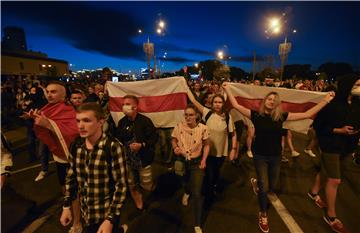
(36, 224)
(29, 168)
(284, 214)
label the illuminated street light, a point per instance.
(196, 65)
(220, 55)
(158, 31)
(140, 31)
(162, 24)
(274, 22)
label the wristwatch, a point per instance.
(110, 218)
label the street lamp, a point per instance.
(149, 48)
(275, 27)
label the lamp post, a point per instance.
(149, 48)
(275, 27)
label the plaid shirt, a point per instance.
(88, 175)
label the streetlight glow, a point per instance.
(140, 31)
(220, 55)
(158, 31)
(196, 65)
(275, 22)
(161, 24)
(276, 30)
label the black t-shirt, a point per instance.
(267, 140)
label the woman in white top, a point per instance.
(220, 124)
(190, 140)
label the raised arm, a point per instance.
(245, 111)
(312, 111)
(194, 101)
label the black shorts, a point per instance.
(61, 172)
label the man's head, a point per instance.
(55, 92)
(345, 86)
(130, 105)
(77, 98)
(90, 119)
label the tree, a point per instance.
(333, 70)
(222, 73)
(297, 71)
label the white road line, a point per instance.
(36, 224)
(284, 214)
(29, 168)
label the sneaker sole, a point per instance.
(329, 223)
(321, 207)
(266, 231)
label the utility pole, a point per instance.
(254, 66)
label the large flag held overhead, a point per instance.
(162, 100)
(292, 100)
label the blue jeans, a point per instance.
(267, 171)
(193, 181)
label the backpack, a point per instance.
(107, 148)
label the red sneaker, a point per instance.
(263, 223)
(318, 201)
(336, 225)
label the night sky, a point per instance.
(93, 35)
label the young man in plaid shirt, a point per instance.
(97, 173)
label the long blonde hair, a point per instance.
(276, 113)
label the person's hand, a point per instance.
(135, 146)
(202, 164)
(346, 130)
(40, 119)
(225, 85)
(178, 151)
(66, 217)
(105, 227)
(329, 96)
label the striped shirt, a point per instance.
(190, 140)
(88, 175)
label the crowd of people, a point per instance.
(98, 161)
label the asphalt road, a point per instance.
(24, 201)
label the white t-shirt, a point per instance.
(218, 133)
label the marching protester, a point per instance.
(96, 173)
(138, 134)
(337, 128)
(268, 122)
(220, 124)
(55, 126)
(190, 141)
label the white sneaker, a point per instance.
(294, 153)
(309, 152)
(40, 176)
(197, 229)
(249, 154)
(185, 199)
(77, 229)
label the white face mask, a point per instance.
(127, 109)
(355, 91)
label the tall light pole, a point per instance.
(149, 48)
(275, 27)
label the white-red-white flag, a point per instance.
(292, 100)
(162, 100)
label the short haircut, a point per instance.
(94, 107)
(57, 83)
(136, 99)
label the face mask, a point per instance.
(127, 109)
(355, 91)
